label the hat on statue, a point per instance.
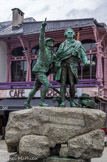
(84, 96)
(49, 39)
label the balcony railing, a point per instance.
(28, 85)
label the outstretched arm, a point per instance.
(83, 57)
(42, 36)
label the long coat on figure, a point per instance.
(70, 54)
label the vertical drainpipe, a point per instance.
(78, 35)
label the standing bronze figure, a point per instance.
(68, 55)
(41, 68)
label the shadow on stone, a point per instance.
(55, 151)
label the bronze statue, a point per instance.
(70, 52)
(41, 68)
(86, 101)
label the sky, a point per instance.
(55, 9)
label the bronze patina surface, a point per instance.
(41, 68)
(70, 52)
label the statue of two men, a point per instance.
(66, 60)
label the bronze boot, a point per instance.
(42, 102)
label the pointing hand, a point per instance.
(44, 23)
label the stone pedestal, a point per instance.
(56, 134)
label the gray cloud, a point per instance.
(73, 12)
(56, 9)
(99, 13)
(45, 8)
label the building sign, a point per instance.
(17, 93)
(23, 93)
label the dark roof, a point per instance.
(31, 26)
(34, 27)
(6, 28)
(7, 31)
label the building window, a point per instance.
(88, 72)
(19, 65)
(19, 69)
(89, 44)
(18, 52)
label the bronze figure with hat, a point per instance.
(86, 101)
(42, 66)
